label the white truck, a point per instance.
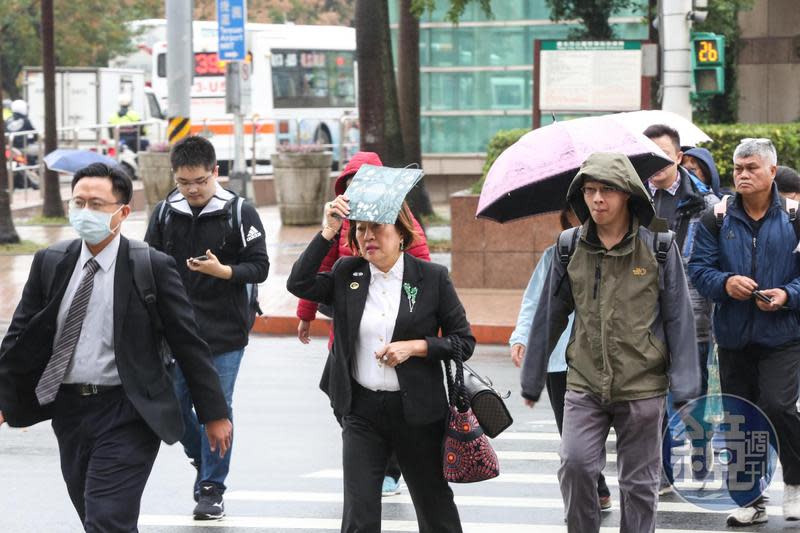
(86, 97)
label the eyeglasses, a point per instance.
(759, 140)
(184, 184)
(93, 204)
(603, 190)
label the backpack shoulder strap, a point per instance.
(721, 209)
(144, 280)
(235, 219)
(163, 211)
(567, 241)
(662, 242)
(565, 247)
(791, 206)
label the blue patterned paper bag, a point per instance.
(377, 193)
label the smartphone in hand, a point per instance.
(761, 296)
(199, 258)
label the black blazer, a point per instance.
(28, 344)
(437, 306)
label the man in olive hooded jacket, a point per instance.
(633, 338)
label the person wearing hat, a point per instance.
(132, 136)
(307, 310)
(20, 123)
(385, 380)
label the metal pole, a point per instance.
(676, 74)
(180, 66)
(52, 205)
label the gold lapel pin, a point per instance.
(354, 285)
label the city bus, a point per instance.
(303, 87)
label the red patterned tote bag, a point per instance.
(467, 455)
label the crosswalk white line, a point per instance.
(543, 479)
(540, 456)
(314, 524)
(461, 500)
(538, 436)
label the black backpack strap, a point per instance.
(143, 279)
(565, 247)
(662, 242)
(145, 283)
(567, 241)
(791, 206)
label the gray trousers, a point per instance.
(587, 422)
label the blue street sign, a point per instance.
(231, 20)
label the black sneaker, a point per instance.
(210, 506)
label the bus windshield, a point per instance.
(313, 79)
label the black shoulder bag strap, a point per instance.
(456, 393)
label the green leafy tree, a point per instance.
(723, 19)
(87, 33)
(593, 14)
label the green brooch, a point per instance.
(411, 294)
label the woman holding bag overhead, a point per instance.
(386, 380)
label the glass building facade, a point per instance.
(477, 77)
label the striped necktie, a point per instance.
(56, 368)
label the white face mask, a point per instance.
(92, 226)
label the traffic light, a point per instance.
(708, 63)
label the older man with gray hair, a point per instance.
(745, 261)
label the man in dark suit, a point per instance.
(81, 350)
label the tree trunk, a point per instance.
(378, 112)
(409, 102)
(52, 190)
(8, 234)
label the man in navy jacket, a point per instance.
(747, 249)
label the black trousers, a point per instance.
(374, 429)
(768, 377)
(556, 390)
(107, 451)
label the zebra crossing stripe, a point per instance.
(539, 436)
(507, 502)
(545, 479)
(314, 524)
(540, 456)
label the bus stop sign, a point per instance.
(231, 19)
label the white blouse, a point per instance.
(377, 328)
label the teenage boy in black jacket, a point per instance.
(218, 243)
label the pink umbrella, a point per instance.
(532, 175)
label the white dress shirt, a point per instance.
(93, 361)
(377, 328)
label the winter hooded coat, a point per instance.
(709, 167)
(633, 335)
(306, 309)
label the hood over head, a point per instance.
(614, 170)
(709, 167)
(360, 158)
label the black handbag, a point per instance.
(487, 403)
